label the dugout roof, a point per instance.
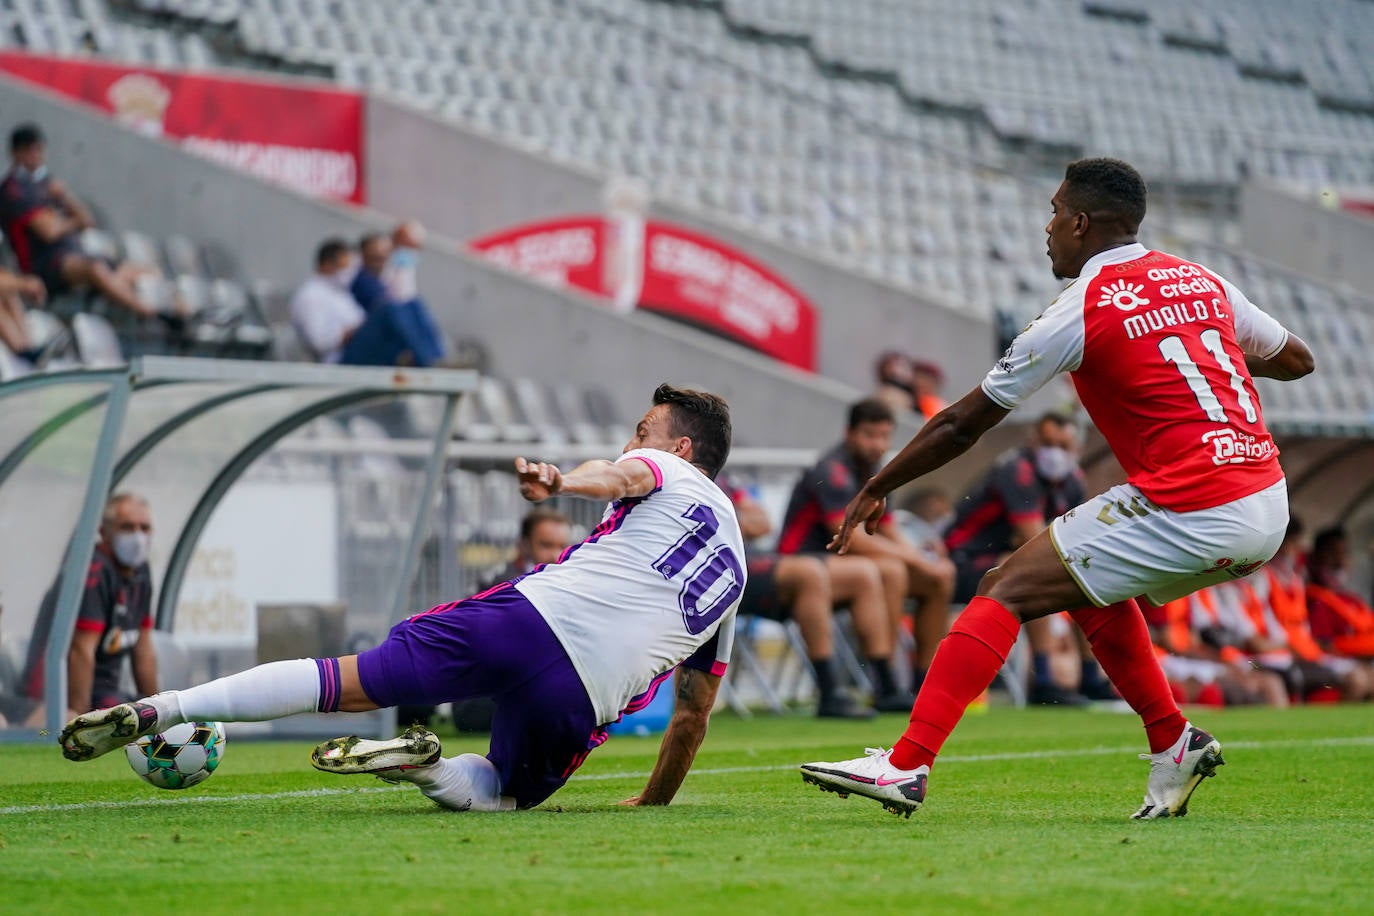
(181, 432)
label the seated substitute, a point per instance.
(806, 588)
(1014, 501)
(564, 651)
(816, 510)
(115, 617)
(544, 536)
(1341, 621)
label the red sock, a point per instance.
(965, 664)
(1121, 642)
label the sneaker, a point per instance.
(100, 731)
(1176, 772)
(872, 776)
(842, 706)
(416, 747)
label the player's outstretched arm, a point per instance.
(696, 695)
(599, 480)
(946, 436)
(1293, 361)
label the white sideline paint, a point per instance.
(1349, 741)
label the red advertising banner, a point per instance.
(681, 273)
(310, 140)
(1361, 207)
(559, 252)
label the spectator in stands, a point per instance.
(817, 508)
(1281, 590)
(1341, 621)
(806, 588)
(1020, 494)
(895, 381)
(544, 534)
(43, 221)
(323, 311)
(927, 385)
(115, 616)
(400, 330)
(14, 332)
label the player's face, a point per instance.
(869, 442)
(1065, 239)
(655, 431)
(547, 541)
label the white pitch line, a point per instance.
(1350, 741)
(1354, 741)
(192, 799)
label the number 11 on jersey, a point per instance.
(1173, 350)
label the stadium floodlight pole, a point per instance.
(79, 550)
(433, 472)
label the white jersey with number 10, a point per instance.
(658, 580)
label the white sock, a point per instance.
(268, 691)
(468, 782)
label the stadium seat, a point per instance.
(96, 341)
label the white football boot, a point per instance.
(1175, 773)
(100, 731)
(416, 747)
(872, 776)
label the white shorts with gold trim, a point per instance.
(1120, 545)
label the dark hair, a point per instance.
(329, 249)
(536, 517)
(702, 417)
(869, 410)
(369, 237)
(1106, 188)
(1057, 418)
(1295, 528)
(25, 136)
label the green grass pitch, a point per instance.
(1027, 812)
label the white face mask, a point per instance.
(131, 547)
(1054, 463)
(343, 278)
(37, 174)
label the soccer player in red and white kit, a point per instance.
(1163, 353)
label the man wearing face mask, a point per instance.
(115, 616)
(1012, 504)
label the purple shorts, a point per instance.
(494, 644)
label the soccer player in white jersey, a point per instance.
(563, 650)
(1163, 353)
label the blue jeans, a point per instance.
(392, 329)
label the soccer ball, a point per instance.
(180, 757)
